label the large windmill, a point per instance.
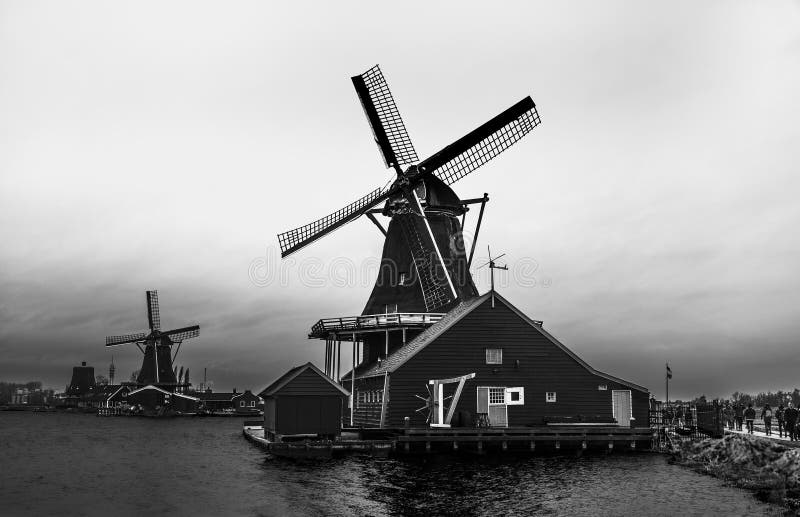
(424, 266)
(156, 346)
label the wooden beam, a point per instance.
(377, 223)
(477, 229)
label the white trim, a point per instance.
(151, 387)
(547, 397)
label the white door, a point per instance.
(622, 407)
(492, 401)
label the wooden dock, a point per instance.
(317, 448)
(548, 438)
(561, 438)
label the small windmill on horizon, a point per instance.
(156, 346)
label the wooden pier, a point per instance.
(553, 439)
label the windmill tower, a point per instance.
(156, 346)
(424, 268)
(111, 371)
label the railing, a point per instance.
(374, 322)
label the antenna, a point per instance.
(492, 267)
(111, 370)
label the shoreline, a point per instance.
(769, 469)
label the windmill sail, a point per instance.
(153, 314)
(293, 240)
(121, 340)
(482, 144)
(384, 118)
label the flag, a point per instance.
(669, 372)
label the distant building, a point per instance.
(244, 403)
(82, 382)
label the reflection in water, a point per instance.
(63, 464)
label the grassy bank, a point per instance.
(770, 469)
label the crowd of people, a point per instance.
(785, 418)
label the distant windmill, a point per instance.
(158, 358)
(492, 267)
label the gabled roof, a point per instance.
(400, 356)
(289, 376)
(152, 387)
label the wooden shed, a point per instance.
(303, 402)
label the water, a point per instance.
(72, 464)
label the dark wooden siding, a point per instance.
(530, 360)
(308, 383)
(312, 414)
(269, 414)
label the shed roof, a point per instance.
(287, 377)
(400, 356)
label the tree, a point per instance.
(134, 376)
(101, 380)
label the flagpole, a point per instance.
(666, 380)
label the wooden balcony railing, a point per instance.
(373, 322)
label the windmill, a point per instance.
(156, 346)
(428, 268)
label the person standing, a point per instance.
(766, 416)
(790, 417)
(779, 417)
(750, 416)
(738, 412)
(728, 414)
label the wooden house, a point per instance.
(499, 366)
(303, 401)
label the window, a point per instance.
(602, 387)
(497, 395)
(515, 396)
(362, 397)
(241, 403)
(550, 396)
(252, 403)
(402, 279)
(494, 356)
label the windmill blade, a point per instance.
(182, 334)
(153, 314)
(121, 340)
(384, 118)
(293, 240)
(435, 282)
(484, 143)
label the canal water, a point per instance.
(74, 464)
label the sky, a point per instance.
(652, 216)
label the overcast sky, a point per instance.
(163, 145)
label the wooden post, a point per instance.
(455, 445)
(339, 363)
(504, 445)
(384, 398)
(386, 350)
(533, 445)
(353, 382)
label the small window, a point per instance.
(550, 396)
(402, 279)
(515, 396)
(494, 356)
(497, 396)
(602, 387)
(252, 403)
(241, 403)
